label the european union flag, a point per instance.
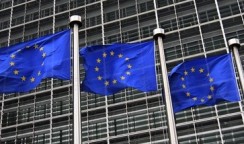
(111, 68)
(204, 81)
(24, 65)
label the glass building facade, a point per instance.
(193, 28)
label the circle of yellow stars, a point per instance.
(17, 72)
(113, 81)
(199, 71)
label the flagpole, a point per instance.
(75, 23)
(234, 45)
(158, 35)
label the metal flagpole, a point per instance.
(159, 34)
(75, 22)
(234, 45)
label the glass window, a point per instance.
(5, 4)
(185, 130)
(97, 130)
(46, 12)
(186, 21)
(42, 110)
(212, 36)
(183, 116)
(233, 135)
(25, 114)
(9, 118)
(161, 3)
(140, 138)
(18, 2)
(145, 6)
(27, 128)
(128, 11)
(42, 138)
(76, 3)
(147, 31)
(110, 16)
(229, 10)
(185, 9)
(62, 7)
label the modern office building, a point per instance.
(193, 28)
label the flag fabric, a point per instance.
(111, 68)
(204, 81)
(24, 65)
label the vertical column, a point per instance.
(138, 20)
(234, 45)
(9, 36)
(156, 13)
(158, 35)
(219, 126)
(10, 22)
(23, 34)
(1, 116)
(52, 80)
(221, 23)
(106, 98)
(75, 22)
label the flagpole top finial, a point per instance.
(75, 19)
(158, 32)
(234, 42)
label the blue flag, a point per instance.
(111, 68)
(24, 65)
(203, 82)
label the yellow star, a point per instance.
(202, 100)
(212, 88)
(114, 81)
(23, 78)
(211, 79)
(99, 78)
(12, 56)
(35, 46)
(98, 60)
(201, 70)
(185, 72)
(104, 54)
(106, 83)
(127, 59)
(122, 77)
(12, 63)
(182, 78)
(112, 53)
(39, 73)
(192, 69)
(188, 94)
(44, 55)
(41, 49)
(16, 72)
(32, 79)
(129, 66)
(120, 55)
(195, 98)
(209, 96)
(96, 69)
(183, 86)
(128, 73)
